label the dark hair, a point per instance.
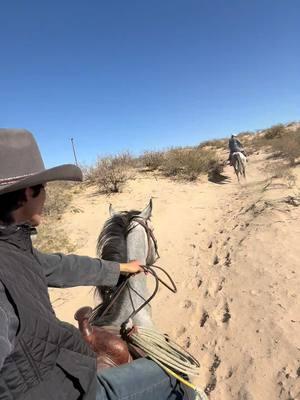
(10, 202)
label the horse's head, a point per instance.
(140, 240)
(127, 236)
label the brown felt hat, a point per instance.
(21, 164)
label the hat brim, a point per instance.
(66, 172)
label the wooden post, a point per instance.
(74, 152)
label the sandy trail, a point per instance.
(233, 252)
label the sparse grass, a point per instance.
(111, 173)
(59, 196)
(288, 146)
(51, 237)
(280, 142)
(265, 140)
(276, 131)
(280, 169)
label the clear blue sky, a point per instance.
(146, 74)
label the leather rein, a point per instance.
(148, 268)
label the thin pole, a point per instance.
(73, 146)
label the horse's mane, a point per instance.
(111, 244)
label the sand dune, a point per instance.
(234, 253)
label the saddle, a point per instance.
(106, 341)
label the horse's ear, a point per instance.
(147, 212)
(111, 210)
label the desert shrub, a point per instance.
(174, 162)
(288, 146)
(215, 143)
(112, 172)
(125, 159)
(152, 159)
(215, 169)
(188, 164)
(291, 124)
(275, 131)
(90, 174)
(257, 143)
(281, 170)
(87, 172)
(245, 134)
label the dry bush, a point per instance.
(264, 139)
(188, 164)
(152, 159)
(112, 172)
(259, 142)
(276, 131)
(245, 134)
(288, 146)
(281, 170)
(174, 162)
(215, 170)
(215, 143)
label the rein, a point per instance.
(124, 284)
(159, 347)
(147, 269)
(150, 236)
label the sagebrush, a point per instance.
(188, 164)
(152, 160)
(111, 173)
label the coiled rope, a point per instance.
(171, 357)
(174, 359)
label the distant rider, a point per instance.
(234, 146)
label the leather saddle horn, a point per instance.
(105, 341)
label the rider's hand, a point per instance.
(133, 267)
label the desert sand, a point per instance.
(233, 251)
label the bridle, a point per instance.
(150, 259)
(148, 268)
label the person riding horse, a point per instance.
(42, 357)
(235, 146)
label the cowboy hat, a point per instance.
(21, 164)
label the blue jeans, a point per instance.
(140, 380)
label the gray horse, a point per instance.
(239, 162)
(127, 236)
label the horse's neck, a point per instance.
(137, 249)
(137, 292)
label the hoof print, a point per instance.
(204, 318)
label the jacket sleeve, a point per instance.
(9, 323)
(63, 271)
